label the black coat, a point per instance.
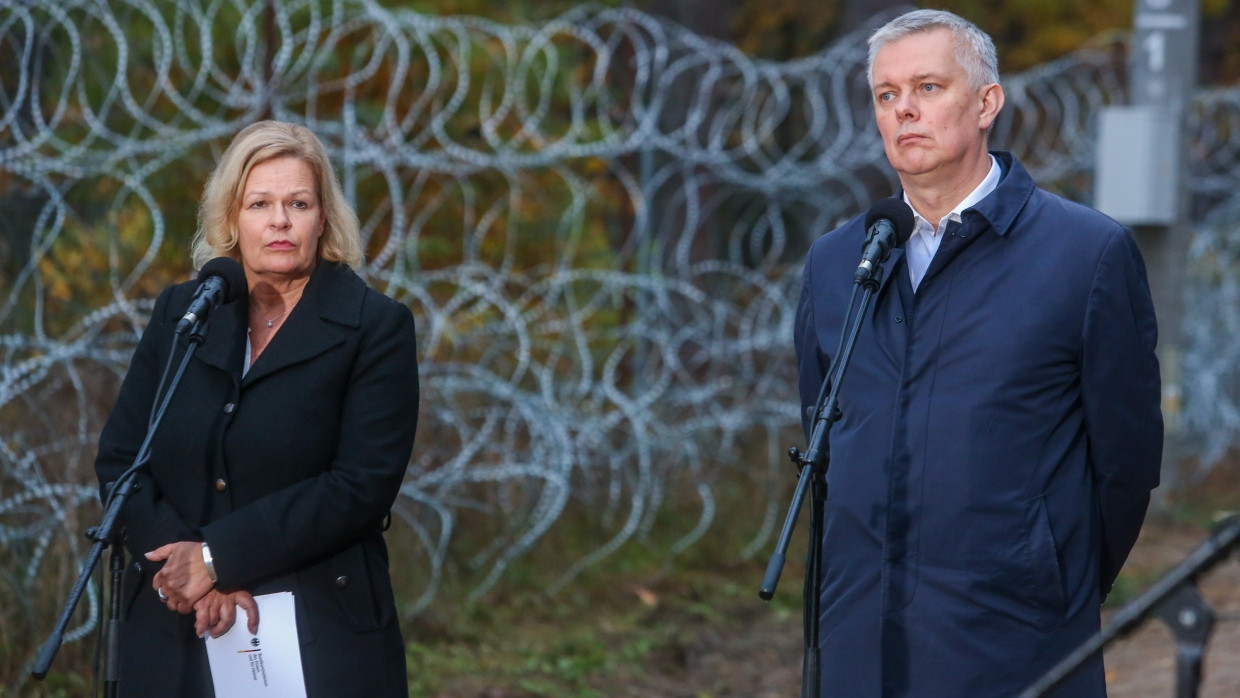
(287, 473)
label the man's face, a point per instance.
(931, 120)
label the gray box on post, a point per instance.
(1137, 177)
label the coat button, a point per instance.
(228, 409)
(221, 485)
(342, 581)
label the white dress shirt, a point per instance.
(924, 241)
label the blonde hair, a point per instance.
(217, 233)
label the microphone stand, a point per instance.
(812, 465)
(105, 534)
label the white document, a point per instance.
(267, 664)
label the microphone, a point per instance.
(888, 225)
(223, 281)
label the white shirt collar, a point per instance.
(988, 184)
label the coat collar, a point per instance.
(329, 308)
(223, 345)
(892, 267)
(1001, 207)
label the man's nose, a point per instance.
(906, 107)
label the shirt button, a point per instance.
(342, 581)
(899, 318)
(230, 407)
(221, 485)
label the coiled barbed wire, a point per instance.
(598, 221)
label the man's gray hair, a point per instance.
(975, 51)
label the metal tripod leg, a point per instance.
(1191, 620)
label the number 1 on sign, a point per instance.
(1156, 48)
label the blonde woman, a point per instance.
(284, 446)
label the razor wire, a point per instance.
(598, 222)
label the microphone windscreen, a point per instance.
(230, 271)
(895, 210)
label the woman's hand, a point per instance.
(217, 611)
(184, 579)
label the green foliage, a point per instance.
(59, 685)
(783, 29)
(509, 11)
(1030, 32)
(1128, 586)
(1027, 32)
(550, 659)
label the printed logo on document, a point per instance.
(258, 672)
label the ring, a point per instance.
(160, 591)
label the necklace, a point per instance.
(270, 322)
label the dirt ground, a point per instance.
(757, 655)
(1143, 665)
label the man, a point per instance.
(1001, 429)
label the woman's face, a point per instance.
(280, 221)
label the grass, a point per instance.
(636, 612)
(606, 630)
(537, 653)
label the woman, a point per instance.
(284, 446)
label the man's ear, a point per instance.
(991, 102)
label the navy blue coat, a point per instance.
(1001, 433)
(288, 474)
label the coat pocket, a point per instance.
(1045, 587)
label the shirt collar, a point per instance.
(988, 184)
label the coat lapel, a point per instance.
(330, 308)
(886, 305)
(996, 212)
(890, 268)
(224, 343)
